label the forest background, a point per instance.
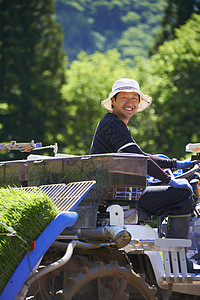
(59, 59)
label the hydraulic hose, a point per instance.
(50, 268)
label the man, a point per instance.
(174, 198)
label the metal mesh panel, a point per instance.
(65, 197)
(128, 193)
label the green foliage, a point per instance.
(32, 71)
(89, 81)
(137, 46)
(176, 13)
(28, 214)
(128, 25)
(37, 103)
(171, 77)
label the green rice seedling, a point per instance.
(28, 214)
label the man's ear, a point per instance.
(112, 101)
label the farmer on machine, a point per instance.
(174, 198)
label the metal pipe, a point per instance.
(80, 244)
(50, 268)
(116, 234)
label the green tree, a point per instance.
(76, 28)
(31, 71)
(137, 46)
(171, 77)
(128, 25)
(89, 81)
(176, 13)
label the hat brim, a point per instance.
(145, 100)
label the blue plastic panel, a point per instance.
(44, 241)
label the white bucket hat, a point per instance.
(127, 85)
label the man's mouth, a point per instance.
(128, 108)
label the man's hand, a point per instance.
(180, 183)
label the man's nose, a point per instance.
(132, 101)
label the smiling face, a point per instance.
(126, 105)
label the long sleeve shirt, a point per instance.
(112, 135)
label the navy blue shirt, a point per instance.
(112, 135)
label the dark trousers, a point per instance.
(165, 200)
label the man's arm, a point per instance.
(153, 169)
(164, 163)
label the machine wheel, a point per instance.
(82, 279)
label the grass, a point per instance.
(28, 214)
